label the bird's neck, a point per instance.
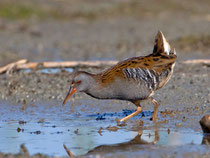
(96, 88)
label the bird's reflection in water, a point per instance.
(145, 138)
(124, 145)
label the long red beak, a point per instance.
(70, 93)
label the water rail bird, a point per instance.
(135, 79)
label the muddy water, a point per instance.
(45, 127)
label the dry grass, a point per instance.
(193, 42)
(89, 10)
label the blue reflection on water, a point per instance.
(58, 127)
(50, 70)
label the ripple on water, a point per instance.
(44, 128)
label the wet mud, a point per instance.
(34, 123)
(44, 129)
(88, 126)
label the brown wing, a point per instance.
(157, 64)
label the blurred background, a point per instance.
(63, 30)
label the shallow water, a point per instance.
(44, 128)
(50, 70)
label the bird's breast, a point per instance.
(121, 89)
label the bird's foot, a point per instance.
(120, 123)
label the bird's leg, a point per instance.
(154, 116)
(139, 110)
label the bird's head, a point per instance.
(80, 82)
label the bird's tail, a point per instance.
(162, 45)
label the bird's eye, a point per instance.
(78, 82)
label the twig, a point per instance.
(23, 64)
(10, 66)
(33, 65)
(71, 155)
(197, 61)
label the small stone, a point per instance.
(22, 122)
(196, 107)
(76, 131)
(41, 120)
(205, 123)
(169, 131)
(18, 129)
(184, 119)
(178, 124)
(37, 132)
(191, 81)
(23, 107)
(112, 128)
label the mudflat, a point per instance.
(30, 100)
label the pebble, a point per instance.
(205, 123)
